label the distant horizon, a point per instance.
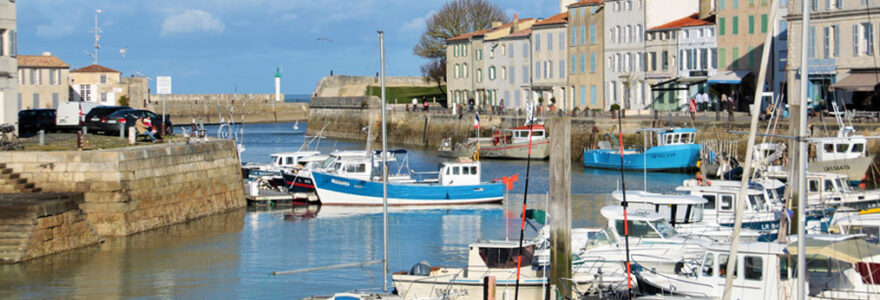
(210, 47)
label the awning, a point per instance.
(851, 251)
(858, 81)
(728, 77)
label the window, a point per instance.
(525, 50)
(39, 74)
(526, 74)
(593, 62)
(783, 268)
(3, 51)
(492, 73)
(715, 58)
(734, 3)
(479, 54)
(583, 34)
(548, 69)
(813, 186)
(735, 29)
(537, 42)
(831, 41)
(721, 26)
(811, 42)
(829, 186)
(709, 261)
(841, 148)
(511, 74)
(464, 50)
(561, 68)
(33, 73)
(503, 73)
(52, 76)
(464, 71)
(783, 30)
(103, 78)
(582, 95)
(751, 56)
(721, 4)
(704, 59)
(735, 55)
(561, 40)
(637, 229)
(863, 39)
(85, 92)
(726, 202)
(538, 70)
(457, 71)
(36, 100)
(754, 267)
(54, 100)
(479, 75)
(763, 23)
(573, 38)
(664, 57)
(834, 4)
(593, 99)
(857, 148)
(549, 41)
(103, 96)
(710, 202)
(722, 263)
(638, 33)
(652, 61)
(592, 34)
(12, 39)
(751, 24)
(573, 60)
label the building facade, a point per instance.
(661, 46)
(43, 81)
(507, 63)
(625, 25)
(9, 99)
(742, 27)
(586, 66)
(698, 53)
(99, 84)
(841, 58)
(549, 51)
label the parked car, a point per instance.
(93, 118)
(128, 117)
(30, 121)
(72, 115)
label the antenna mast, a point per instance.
(97, 32)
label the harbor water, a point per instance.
(231, 255)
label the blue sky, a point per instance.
(212, 46)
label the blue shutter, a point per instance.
(582, 94)
(593, 94)
(593, 62)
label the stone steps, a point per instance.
(14, 237)
(11, 182)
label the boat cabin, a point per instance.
(676, 209)
(835, 148)
(867, 224)
(826, 184)
(642, 224)
(758, 266)
(484, 256)
(519, 134)
(722, 198)
(461, 172)
(287, 160)
(352, 167)
(667, 136)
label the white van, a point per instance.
(72, 115)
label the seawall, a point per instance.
(134, 189)
(257, 108)
(356, 86)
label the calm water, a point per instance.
(231, 255)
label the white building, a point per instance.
(625, 25)
(549, 51)
(10, 100)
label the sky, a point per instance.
(225, 46)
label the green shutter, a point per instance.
(722, 58)
(751, 24)
(735, 25)
(721, 24)
(764, 23)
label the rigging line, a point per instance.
(522, 224)
(370, 61)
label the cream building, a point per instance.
(96, 83)
(586, 48)
(9, 101)
(42, 81)
(548, 56)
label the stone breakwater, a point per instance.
(134, 189)
(257, 108)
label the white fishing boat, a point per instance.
(832, 189)
(862, 222)
(512, 143)
(761, 211)
(491, 268)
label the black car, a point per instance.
(31, 121)
(94, 117)
(128, 117)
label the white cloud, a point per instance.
(417, 24)
(54, 30)
(191, 20)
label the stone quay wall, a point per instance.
(60, 232)
(257, 108)
(354, 86)
(134, 189)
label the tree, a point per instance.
(455, 18)
(435, 71)
(123, 100)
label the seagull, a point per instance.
(122, 51)
(323, 39)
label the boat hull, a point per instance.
(853, 168)
(336, 190)
(456, 287)
(540, 150)
(663, 158)
(298, 183)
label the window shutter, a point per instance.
(855, 37)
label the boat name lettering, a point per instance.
(340, 182)
(662, 155)
(450, 292)
(357, 186)
(836, 168)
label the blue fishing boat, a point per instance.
(354, 182)
(668, 149)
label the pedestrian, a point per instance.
(415, 103)
(502, 106)
(425, 103)
(142, 129)
(692, 107)
(731, 103)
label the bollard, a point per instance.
(122, 130)
(79, 140)
(42, 137)
(85, 130)
(132, 136)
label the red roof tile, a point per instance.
(521, 33)
(692, 20)
(469, 35)
(46, 61)
(94, 69)
(585, 2)
(560, 18)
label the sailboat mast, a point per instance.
(384, 169)
(802, 154)
(747, 168)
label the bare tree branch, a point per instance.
(455, 18)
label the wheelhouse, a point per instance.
(667, 136)
(461, 172)
(676, 209)
(642, 224)
(835, 148)
(290, 159)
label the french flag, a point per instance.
(476, 121)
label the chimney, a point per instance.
(515, 26)
(496, 24)
(706, 9)
(563, 5)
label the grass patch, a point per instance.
(67, 142)
(406, 94)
